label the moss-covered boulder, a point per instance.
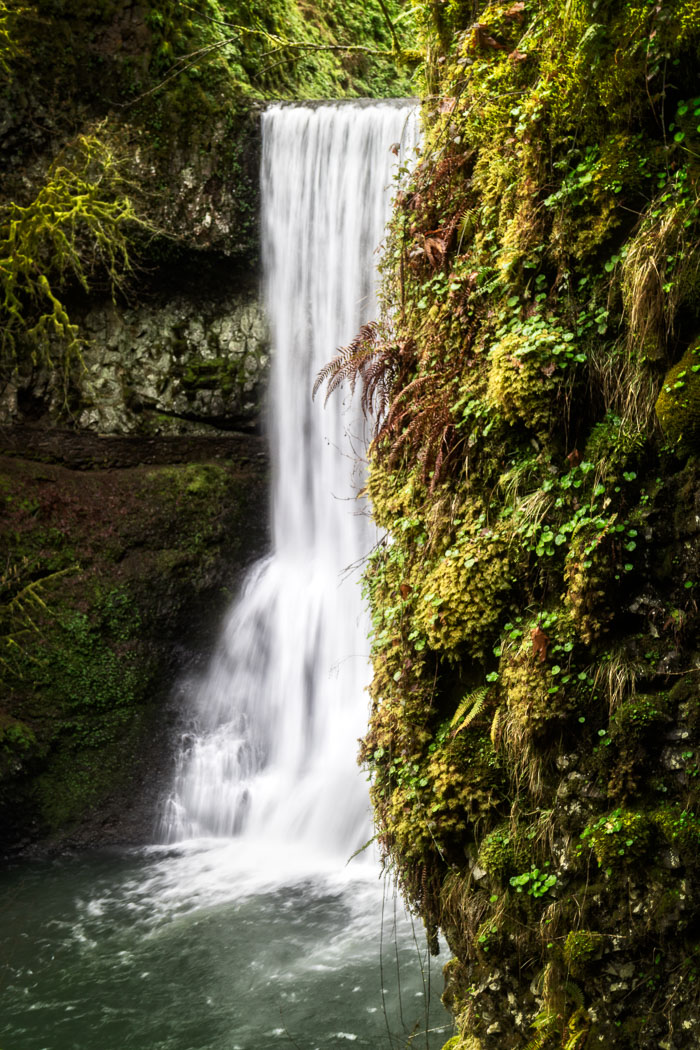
(678, 403)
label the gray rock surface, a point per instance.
(171, 367)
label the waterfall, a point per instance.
(278, 713)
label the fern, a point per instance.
(575, 993)
(546, 1025)
(473, 703)
(370, 358)
(21, 604)
(578, 1028)
(577, 1040)
(420, 423)
(497, 727)
(407, 389)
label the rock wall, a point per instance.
(131, 144)
(181, 365)
(535, 723)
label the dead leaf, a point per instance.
(447, 104)
(395, 148)
(482, 37)
(518, 56)
(540, 643)
(435, 249)
(574, 457)
(405, 589)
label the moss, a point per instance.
(534, 699)
(540, 276)
(589, 574)
(92, 678)
(581, 949)
(619, 838)
(500, 855)
(640, 719)
(613, 447)
(198, 493)
(678, 403)
(437, 797)
(462, 596)
(145, 125)
(681, 829)
(75, 227)
(150, 553)
(522, 378)
(211, 374)
(232, 44)
(398, 500)
(76, 781)
(459, 1043)
(18, 745)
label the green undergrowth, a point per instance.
(234, 47)
(533, 744)
(127, 128)
(106, 572)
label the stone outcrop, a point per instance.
(181, 365)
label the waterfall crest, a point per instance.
(283, 702)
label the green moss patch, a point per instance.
(678, 403)
(108, 571)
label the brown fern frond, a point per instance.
(419, 423)
(348, 360)
(348, 369)
(412, 413)
(373, 359)
(439, 460)
(405, 400)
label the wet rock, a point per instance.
(169, 367)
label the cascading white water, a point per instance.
(279, 712)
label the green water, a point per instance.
(192, 949)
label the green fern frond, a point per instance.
(546, 1025)
(575, 993)
(473, 703)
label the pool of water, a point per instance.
(202, 948)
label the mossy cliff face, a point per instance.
(130, 140)
(535, 729)
(117, 573)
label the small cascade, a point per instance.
(277, 716)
